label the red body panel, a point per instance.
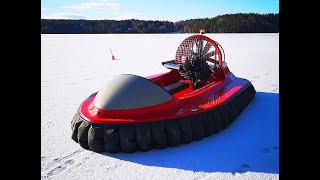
(184, 103)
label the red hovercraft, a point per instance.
(198, 97)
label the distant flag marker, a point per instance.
(112, 56)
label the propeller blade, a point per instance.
(206, 48)
(208, 55)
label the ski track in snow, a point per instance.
(75, 66)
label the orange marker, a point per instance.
(112, 56)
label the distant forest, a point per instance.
(228, 23)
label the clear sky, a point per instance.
(172, 10)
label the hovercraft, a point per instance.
(198, 97)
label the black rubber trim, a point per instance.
(175, 87)
(130, 138)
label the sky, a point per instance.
(171, 10)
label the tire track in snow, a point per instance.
(61, 168)
(59, 165)
(245, 167)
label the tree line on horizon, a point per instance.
(228, 23)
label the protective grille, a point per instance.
(197, 44)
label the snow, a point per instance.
(75, 66)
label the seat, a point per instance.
(175, 87)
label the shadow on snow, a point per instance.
(249, 144)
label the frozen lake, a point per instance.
(74, 66)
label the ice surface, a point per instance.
(75, 66)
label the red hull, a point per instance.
(186, 102)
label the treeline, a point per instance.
(228, 23)
(104, 26)
(233, 23)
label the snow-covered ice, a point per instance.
(75, 66)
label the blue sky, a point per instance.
(172, 10)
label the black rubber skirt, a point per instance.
(130, 138)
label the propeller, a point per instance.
(200, 56)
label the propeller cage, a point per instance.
(199, 56)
